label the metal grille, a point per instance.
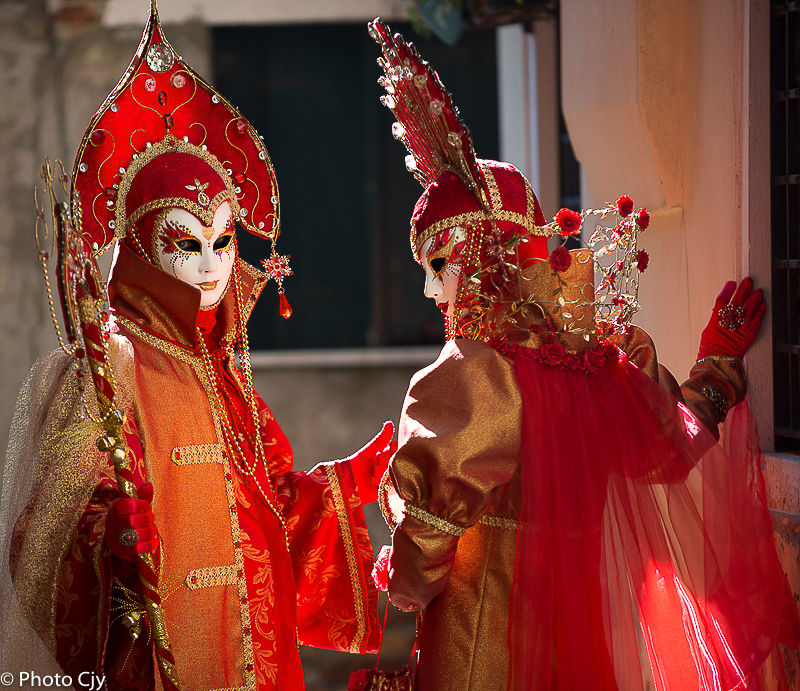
(785, 115)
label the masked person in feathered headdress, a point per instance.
(556, 495)
(254, 557)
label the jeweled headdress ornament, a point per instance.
(162, 112)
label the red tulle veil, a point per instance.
(637, 524)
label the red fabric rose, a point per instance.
(572, 360)
(595, 359)
(612, 352)
(358, 680)
(569, 222)
(380, 572)
(552, 353)
(643, 218)
(642, 260)
(625, 206)
(560, 259)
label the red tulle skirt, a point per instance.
(639, 532)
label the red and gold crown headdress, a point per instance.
(495, 205)
(162, 112)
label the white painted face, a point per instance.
(442, 274)
(198, 255)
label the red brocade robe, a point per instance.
(237, 602)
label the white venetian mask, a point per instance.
(442, 274)
(198, 255)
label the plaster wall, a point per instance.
(54, 74)
(215, 13)
(668, 101)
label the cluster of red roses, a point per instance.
(553, 354)
(569, 223)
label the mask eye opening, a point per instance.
(437, 265)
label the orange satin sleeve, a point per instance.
(459, 448)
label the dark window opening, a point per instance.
(785, 116)
(346, 198)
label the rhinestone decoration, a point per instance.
(98, 137)
(398, 131)
(274, 198)
(277, 266)
(128, 537)
(150, 84)
(731, 317)
(243, 212)
(159, 58)
(114, 107)
(178, 81)
(122, 171)
(83, 167)
(215, 99)
(112, 224)
(262, 155)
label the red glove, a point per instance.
(734, 322)
(130, 525)
(370, 463)
(380, 571)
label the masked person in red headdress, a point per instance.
(556, 495)
(254, 557)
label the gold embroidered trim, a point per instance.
(418, 239)
(494, 190)
(211, 576)
(248, 655)
(177, 352)
(206, 215)
(499, 522)
(197, 453)
(342, 513)
(169, 144)
(435, 521)
(720, 359)
(259, 281)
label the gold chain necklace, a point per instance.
(232, 443)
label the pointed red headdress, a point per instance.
(161, 112)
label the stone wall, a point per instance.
(55, 71)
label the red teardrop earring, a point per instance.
(285, 307)
(277, 268)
